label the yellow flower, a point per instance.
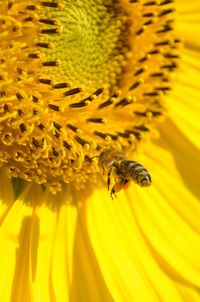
(77, 78)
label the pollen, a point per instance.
(78, 77)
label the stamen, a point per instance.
(28, 19)
(149, 15)
(10, 5)
(35, 99)
(171, 56)
(66, 145)
(43, 45)
(98, 120)
(124, 134)
(72, 91)
(19, 96)
(166, 28)
(51, 63)
(48, 21)
(45, 81)
(135, 85)
(57, 126)
(141, 30)
(149, 22)
(154, 52)
(41, 126)
(54, 107)
(33, 55)
(124, 102)
(35, 143)
(100, 134)
(169, 66)
(162, 43)
(31, 7)
(163, 88)
(152, 93)
(105, 104)
(78, 105)
(50, 31)
(22, 127)
(165, 2)
(6, 108)
(166, 12)
(81, 141)
(50, 4)
(139, 71)
(150, 3)
(60, 85)
(156, 74)
(142, 128)
(71, 127)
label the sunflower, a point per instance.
(79, 78)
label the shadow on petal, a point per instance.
(26, 259)
(186, 155)
(87, 281)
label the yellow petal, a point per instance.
(188, 294)
(191, 58)
(172, 241)
(41, 283)
(26, 237)
(185, 158)
(183, 103)
(189, 31)
(51, 280)
(188, 7)
(45, 252)
(130, 270)
(87, 281)
(188, 19)
(184, 100)
(17, 232)
(169, 215)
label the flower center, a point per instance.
(78, 77)
(90, 45)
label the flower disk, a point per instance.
(78, 77)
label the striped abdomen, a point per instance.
(134, 171)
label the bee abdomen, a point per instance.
(139, 174)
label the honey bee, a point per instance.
(123, 170)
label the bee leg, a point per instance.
(113, 192)
(116, 188)
(109, 175)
